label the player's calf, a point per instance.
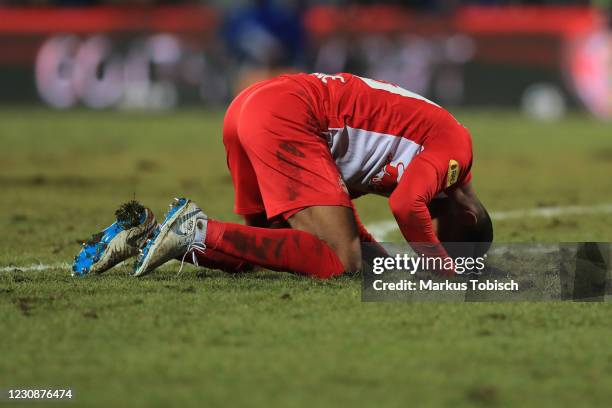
(188, 231)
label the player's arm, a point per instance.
(370, 247)
(364, 235)
(419, 184)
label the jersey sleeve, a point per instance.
(449, 151)
(418, 186)
(444, 164)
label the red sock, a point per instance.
(277, 249)
(218, 260)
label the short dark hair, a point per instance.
(481, 234)
(476, 239)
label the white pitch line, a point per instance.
(380, 229)
(35, 267)
(549, 212)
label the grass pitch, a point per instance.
(270, 339)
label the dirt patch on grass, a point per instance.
(25, 305)
(90, 314)
(42, 180)
(603, 154)
(486, 394)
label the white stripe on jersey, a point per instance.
(398, 90)
(371, 162)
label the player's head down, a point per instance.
(465, 228)
(480, 234)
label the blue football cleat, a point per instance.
(116, 243)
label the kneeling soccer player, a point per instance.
(300, 148)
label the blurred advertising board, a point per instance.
(541, 58)
(544, 59)
(99, 57)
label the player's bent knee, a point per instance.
(335, 225)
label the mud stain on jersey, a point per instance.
(292, 170)
(292, 149)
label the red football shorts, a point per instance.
(276, 155)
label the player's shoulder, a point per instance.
(447, 120)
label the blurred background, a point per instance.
(543, 57)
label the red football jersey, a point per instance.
(375, 129)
